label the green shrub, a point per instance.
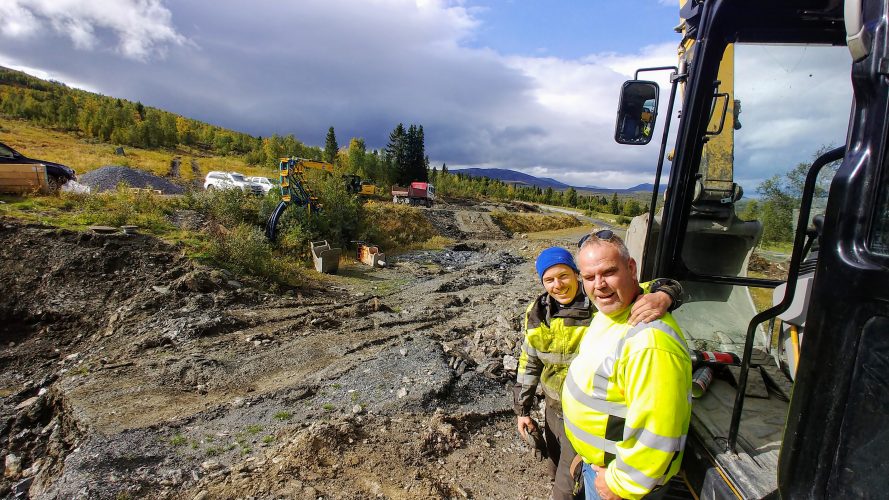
(244, 249)
(283, 415)
(395, 226)
(120, 207)
(227, 207)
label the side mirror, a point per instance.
(637, 112)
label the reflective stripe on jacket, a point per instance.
(627, 401)
(552, 339)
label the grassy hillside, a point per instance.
(84, 155)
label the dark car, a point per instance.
(57, 174)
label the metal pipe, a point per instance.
(652, 207)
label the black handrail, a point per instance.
(792, 275)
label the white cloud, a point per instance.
(142, 28)
(793, 101)
(17, 20)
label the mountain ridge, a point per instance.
(513, 176)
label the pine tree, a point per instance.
(419, 162)
(614, 207)
(396, 151)
(330, 147)
(570, 197)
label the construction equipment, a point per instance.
(417, 193)
(294, 189)
(829, 440)
(325, 258)
(369, 254)
(356, 185)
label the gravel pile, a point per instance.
(108, 177)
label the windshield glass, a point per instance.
(238, 177)
(5, 152)
(788, 105)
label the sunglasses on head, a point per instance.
(603, 234)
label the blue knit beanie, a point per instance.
(553, 256)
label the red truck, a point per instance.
(418, 193)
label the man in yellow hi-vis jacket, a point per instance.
(627, 396)
(554, 326)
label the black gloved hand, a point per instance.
(534, 439)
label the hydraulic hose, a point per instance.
(271, 227)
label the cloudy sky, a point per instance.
(529, 85)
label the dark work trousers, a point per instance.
(560, 452)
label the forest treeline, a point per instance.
(403, 159)
(457, 184)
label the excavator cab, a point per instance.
(804, 414)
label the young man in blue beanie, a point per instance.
(554, 326)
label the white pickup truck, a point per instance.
(232, 180)
(263, 182)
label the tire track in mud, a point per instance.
(175, 163)
(465, 224)
(479, 225)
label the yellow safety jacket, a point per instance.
(553, 333)
(627, 401)
(552, 337)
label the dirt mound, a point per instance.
(80, 307)
(128, 371)
(107, 178)
(767, 268)
(363, 457)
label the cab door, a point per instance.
(836, 443)
(19, 176)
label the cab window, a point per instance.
(879, 237)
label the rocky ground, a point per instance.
(128, 371)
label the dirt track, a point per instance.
(127, 371)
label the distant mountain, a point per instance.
(647, 187)
(513, 177)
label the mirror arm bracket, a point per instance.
(657, 68)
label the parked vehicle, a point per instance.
(264, 182)
(231, 180)
(418, 193)
(20, 174)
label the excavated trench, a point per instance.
(128, 371)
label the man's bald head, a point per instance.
(609, 273)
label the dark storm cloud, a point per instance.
(270, 67)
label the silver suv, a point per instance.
(231, 180)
